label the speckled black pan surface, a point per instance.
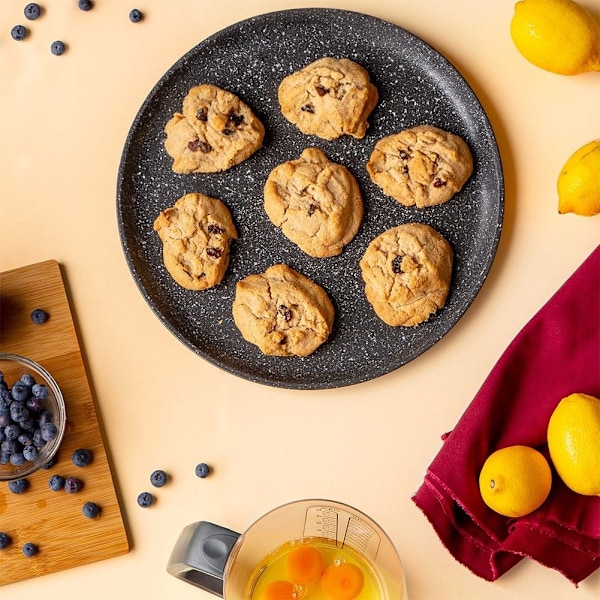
(416, 84)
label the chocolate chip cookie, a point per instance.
(316, 202)
(282, 312)
(407, 272)
(421, 166)
(329, 98)
(196, 234)
(215, 131)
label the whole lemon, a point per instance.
(515, 480)
(557, 35)
(579, 182)
(574, 442)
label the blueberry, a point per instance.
(39, 316)
(202, 470)
(17, 459)
(32, 11)
(28, 380)
(25, 439)
(5, 398)
(4, 540)
(135, 16)
(73, 485)
(35, 404)
(29, 549)
(19, 391)
(18, 412)
(30, 453)
(12, 431)
(18, 32)
(145, 499)
(44, 417)
(48, 431)
(56, 483)
(18, 486)
(5, 419)
(91, 510)
(81, 457)
(57, 48)
(40, 390)
(158, 478)
(85, 5)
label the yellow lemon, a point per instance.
(515, 480)
(579, 182)
(557, 35)
(574, 442)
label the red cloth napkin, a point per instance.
(555, 354)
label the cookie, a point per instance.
(421, 166)
(215, 131)
(316, 202)
(282, 312)
(407, 272)
(196, 234)
(329, 98)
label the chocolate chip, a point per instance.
(198, 145)
(214, 252)
(311, 209)
(308, 108)
(214, 229)
(285, 312)
(236, 120)
(403, 155)
(321, 90)
(438, 183)
(202, 114)
(397, 265)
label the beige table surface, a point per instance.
(63, 122)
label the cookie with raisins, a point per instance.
(329, 98)
(282, 312)
(316, 202)
(196, 234)
(421, 166)
(214, 132)
(407, 272)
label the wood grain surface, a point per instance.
(54, 520)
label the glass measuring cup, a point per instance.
(237, 566)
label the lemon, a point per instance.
(579, 182)
(515, 480)
(557, 35)
(574, 442)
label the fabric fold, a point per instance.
(555, 354)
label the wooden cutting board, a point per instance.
(54, 520)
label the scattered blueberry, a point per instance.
(145, 499)
(57, 48)
(73, 485)
(18, 486)
(39, 316)
(158, 478)
(29, 549)
(202, 470)
(135, 16)
(18, 32)
(4, 540)
(56, 483)
(32, 11)
(90, 510)
(86, 5)
(81, 457)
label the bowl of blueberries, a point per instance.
(32, 416)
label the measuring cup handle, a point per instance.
(200, 554)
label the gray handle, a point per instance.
(200, 554)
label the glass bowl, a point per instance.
(12, 368)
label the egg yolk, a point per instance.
(304, 565)
(342, 582)
(279, 590)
